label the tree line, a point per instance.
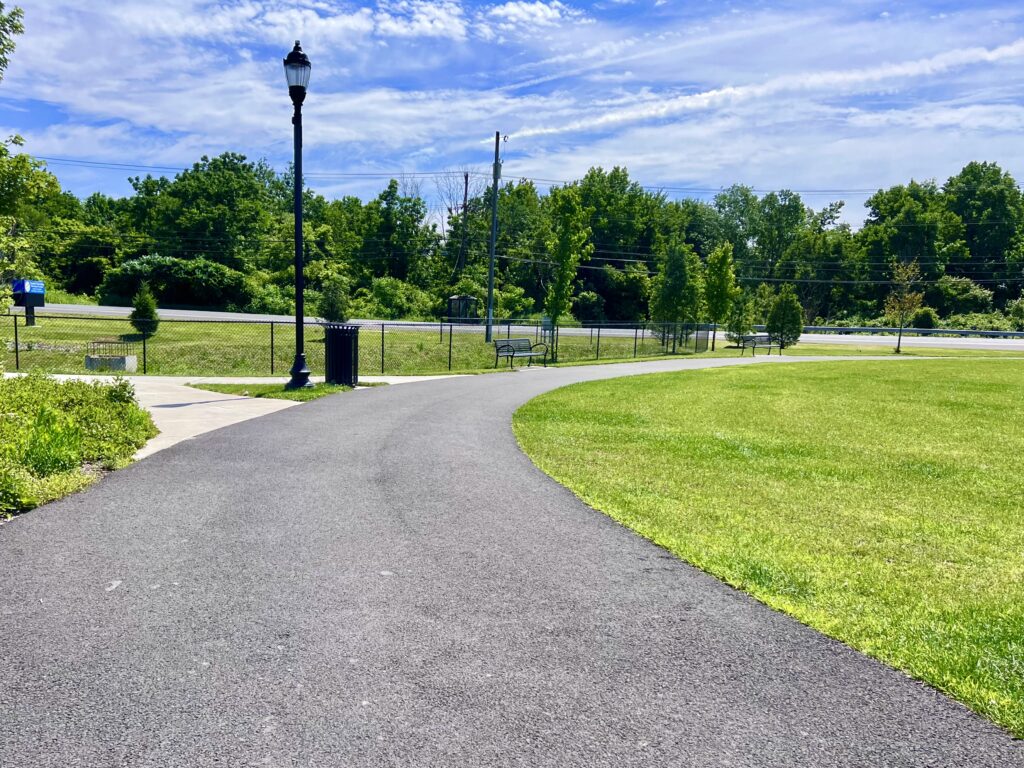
(600, 249)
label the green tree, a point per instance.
(624, 231)
(678, 289)
(741, 318)
(902, 302)
(739, 213)
(719, 286)
(780, 218)
(567, 247)
(907, 222)
(786, 320)
(144, 316)
(10, 26)
(990, 204)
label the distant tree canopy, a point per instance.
(603, 248)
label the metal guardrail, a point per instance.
(912, 331)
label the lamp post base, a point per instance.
(300, 374)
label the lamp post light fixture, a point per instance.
(296, 69)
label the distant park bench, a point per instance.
(755, 340)
(513, 348)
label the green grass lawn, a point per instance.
(274, 391)
(58, 344)
(879, 502)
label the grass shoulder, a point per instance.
(275, 391)
(870, 500)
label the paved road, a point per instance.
(996, 345)
(382, 578)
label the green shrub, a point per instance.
(1015, 313)
(512, 302)
(176, 282)
(54, 443)
(50, 430)
(144, 316)
(16, 489)
(977, 321)
(334, 303)
(389, 298)
(589, 308)
(958, 296)
(925, 317)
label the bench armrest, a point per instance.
(539, 344)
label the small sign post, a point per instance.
(29, 294)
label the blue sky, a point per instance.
(828, 99)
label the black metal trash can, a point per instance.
(342, 351)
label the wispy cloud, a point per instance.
(690, 95)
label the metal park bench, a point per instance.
(513, 348)
(755, 340)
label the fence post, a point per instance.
(636, 332)
(440, 333)
(271, 347)
(144, 371)
(382, 349)
(598, 343)
(449, 346)
(17, 348)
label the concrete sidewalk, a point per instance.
(181, 412)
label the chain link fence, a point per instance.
(66, 344)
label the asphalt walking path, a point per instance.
(382, 578)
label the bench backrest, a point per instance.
(758, 338)
(512, 345)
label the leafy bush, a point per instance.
(144, 317)
(389, 298)
(512, 302)
(1015, 313)
(53, 443)
(334, 303)
(990, 321)
(925, 317)
(267, 298)
(589, 308)
(50, 430)
(958, 296)
(176, 282)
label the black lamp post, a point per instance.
(296, 69)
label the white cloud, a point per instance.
(421, 18)
(684, 96)
(532, 14)
(829, 81)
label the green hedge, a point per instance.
(56, 436)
